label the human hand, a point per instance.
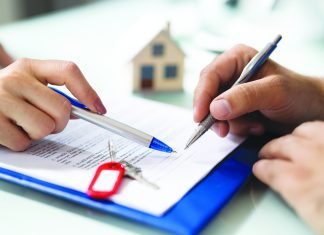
(276, 99)
(5, 58)
(293, 166)
(29, 110)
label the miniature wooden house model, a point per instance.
(159, 66)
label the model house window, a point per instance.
(147, 72)
(170, 71)
(158, 49)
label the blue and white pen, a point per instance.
(83, 112)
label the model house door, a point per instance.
(147, 76)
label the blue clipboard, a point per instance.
(191, 214)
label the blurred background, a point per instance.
(12, 10)
(107, 31)
(93, 30)
(298, 15)
(211, 21)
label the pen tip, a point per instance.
(173, 151)
(277, 39)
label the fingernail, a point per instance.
(195, 113)
(221, 108)
(215, 128)
(99, 106)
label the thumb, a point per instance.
(266, 93)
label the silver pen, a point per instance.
(81, 111)
(249, 70)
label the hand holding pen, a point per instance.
(29, 110)
(278, 100)
(240, 62)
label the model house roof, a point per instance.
(165, 32)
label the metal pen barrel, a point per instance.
(113, 126)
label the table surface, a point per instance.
(99, 37)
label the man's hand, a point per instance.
(277, 99)
(293, 166)
(5, 58)
(29, 110)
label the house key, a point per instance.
(136, 173)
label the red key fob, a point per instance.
(106, 180)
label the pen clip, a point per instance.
(73, 101)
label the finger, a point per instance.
(312, 130)
(5, 58)
(249, 97)
(241, 126)
(221, 71)
(68, 74)
(288, 147)
(12, 136)
(275, 173)
(256, 124)
(221, 128)
(284, 177)
(41, 97)
(244, 126)
(33, 121)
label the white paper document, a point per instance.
(71, 158)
